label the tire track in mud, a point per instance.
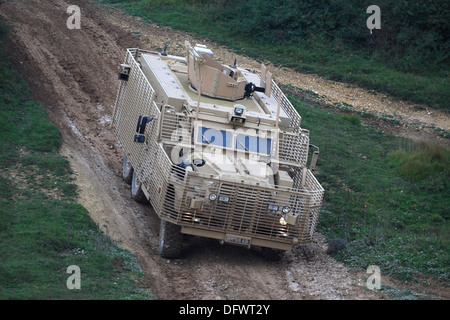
(74, 73)
(53, 64)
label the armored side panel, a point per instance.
(135, 100)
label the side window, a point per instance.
(253, 144)
(215, 137)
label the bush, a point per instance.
(419, 160)
(336, 245)
(355, 120)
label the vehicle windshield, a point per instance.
(223, 138)
(253, 144)
(215, 137)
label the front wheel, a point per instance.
(127, 170)
(170, 240)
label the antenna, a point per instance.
(278, 110)
(199, 94)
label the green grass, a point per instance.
(353, 119)
(319, 40)
(420, 160)
(42, 229)
(386, 195)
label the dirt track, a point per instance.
(74, 73)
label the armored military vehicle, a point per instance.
(217, 150)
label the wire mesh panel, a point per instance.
(287, 107)
(249, 210)
(293, 148)
(176, 127)
(134, 99)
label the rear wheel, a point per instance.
(136, 189)
(127, 170)
(170, 240)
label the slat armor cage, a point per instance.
(173, 191)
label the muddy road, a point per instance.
(74, 73)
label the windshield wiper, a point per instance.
(207, 141)
(243, 146)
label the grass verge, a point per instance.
(43, 230)
(385, 196)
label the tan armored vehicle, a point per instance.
(217, 150)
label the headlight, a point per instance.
(212, 196)
(286, 209)
(272, 207)
(223, 198)
(283, 221)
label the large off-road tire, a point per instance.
(127, 170)
(136, 189)
(170, 240)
